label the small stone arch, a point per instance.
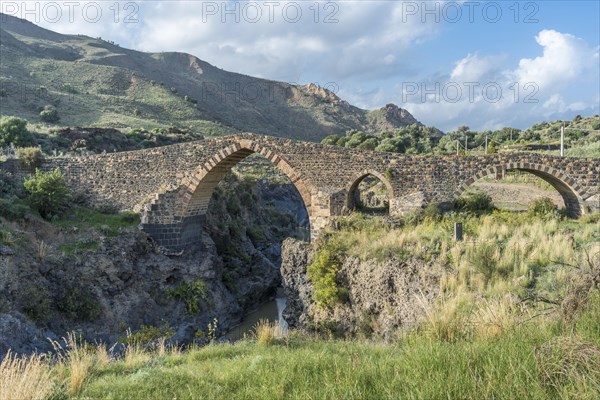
(566, 186)
(358, 178)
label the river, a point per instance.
(271, 311)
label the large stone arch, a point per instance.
(566, 186)
(358, 178)
(175, 218)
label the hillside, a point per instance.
(93, 82)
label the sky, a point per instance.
(485, 64)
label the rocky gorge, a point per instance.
(102, 283)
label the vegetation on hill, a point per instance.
(582, 139)
(75, 80)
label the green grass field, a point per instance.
(515, 321)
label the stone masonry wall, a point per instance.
(171, 184)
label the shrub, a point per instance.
(10, 185)
(492, 148)
(432, 213)
(190, 294)
(36, 303)
(476, 202)
(48, 192)
(49, 114)
(80, 305)
(330, 140)
(13, 210)
(31, 157)
(484, 258)
(233, 205)
(542, 207)
(14, 130)
(256, 234)
(323, 275)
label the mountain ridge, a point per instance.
(93, 82)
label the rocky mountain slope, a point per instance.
(93, 82)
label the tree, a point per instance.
(331, 139)
(369, 144)
(49, 114)
(14, 130)
(48, 192)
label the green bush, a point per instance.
(323, 272)
(432, 213)
(542, 207)
(80, 304)
(36, 303)
(484, 258)
(49, 114)
(48, 192)
(14, 130)
(31, 157)
(190, 294)
(233, 205)
(476, 202)
(256, 234)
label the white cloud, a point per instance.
(473, 68)
(366, 53)
(565, 58)
(537, 88)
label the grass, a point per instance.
(512, 177)
(25, 378)
(107, 223)
(517, 318)
(539, 359)
(78, 247)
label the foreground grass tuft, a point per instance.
(25, 378)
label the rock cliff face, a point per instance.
(383, 298)
(125, 282)
(122, 284)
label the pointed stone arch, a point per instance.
(358, 178)
(188, 204)
(566, 186)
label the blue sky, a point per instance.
(377, 52)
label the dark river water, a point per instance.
(271, 311)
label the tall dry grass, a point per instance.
(267, 333)
(25, 378)
(76, 362)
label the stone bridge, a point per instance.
(172, 185)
